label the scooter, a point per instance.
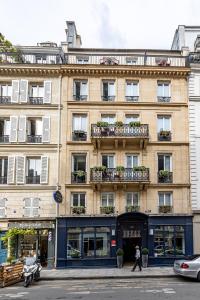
(31, 271)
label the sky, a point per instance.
(101, 23)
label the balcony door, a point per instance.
(79, 162)
(108, 160)
(33, 170)
(164, 123)
(131, 118)
(131, 161)
(164, 162)
(110, 119)
(3, 170)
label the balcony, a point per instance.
(5, 100)
(132, 98)
(108, 98)
(107, 210)
(164, 209)
(116, 177)
(79, 135)
(132, 208)
(78, 210)
(103, 134)
(4, 139)
(165, 176)
(28, 57)
(78, 177)
(164, 136)
(36, 100)
(80, 97)
(164, 99)
(3, 180)
(33, 179)
(34, 139)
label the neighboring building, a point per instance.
(122, 109)
(29, 146)
(189, 38)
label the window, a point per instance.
(41, 59)
(132, 199)
(132, 91)
(108, 91)
(4, 130)
(3, 207)
(79, 168)
(164, 162)
(74, 243)
(3, 170)
(131, 160)
(82, 60)
(37, 91)
(108, 118)
(169, 240)
(102, 241)
(88, 241)
(34, 130)
(165, 199)
(33, 171)
(79, 127)
(164, 123)
(31, 207)
(5, 90)
(80, 90)
(163, 91)
(131, 60)
(108, 160)
(107, 199)
(78, 199)
(131, 118)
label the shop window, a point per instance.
(102, 241)
(88, 241)
(169, 241)
(74, 243)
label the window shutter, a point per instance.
(20, 169)
(46, 129)
(11, 170)
(23, 91)
(44, 170)
(47, 92)
(15, 91)
(22, 129)
(2, 207)
(13, 129)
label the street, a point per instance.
(163, 288)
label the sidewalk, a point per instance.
(70, 274)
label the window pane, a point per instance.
(160, 124)
(180, 243)
(88, 241)
(38, 127)
(129, 89)
(110, 199)
(168, 199)
(167, 123)
(129, 199)
(160, 162)
(84, 88)
(169, 242)
(161, 199)
(73, 243)
(166, 90)
(160, 90)
(103, 241)
(82, 200)
(75, 199)
(40, 91)
(111, 90)
(158, 242)
(135, 199)
(167, 162)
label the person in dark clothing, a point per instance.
(137, 259)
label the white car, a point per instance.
(188, 268)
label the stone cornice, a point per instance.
(90, 104)
(93, 70)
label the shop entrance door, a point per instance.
(129, 245)
(43, 247)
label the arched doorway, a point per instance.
(132, 228)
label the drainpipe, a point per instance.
(58, 162)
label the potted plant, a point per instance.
(102, 124)
(119, 170)
(80, 175)
(135, 124)
(145, 254)
(165, 134)
(120, 254)
(119, 123)
(163, 175)
(139, 168)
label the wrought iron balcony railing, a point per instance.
(78, 177)
(27, 57)
(80, 97)
(34, 138)
(125, 130)
(78, 210)
(132, 208)
(107, 210)
(36, 100)
(4, 138)
(132, 98)
(164, 135)
(5, 100)
(33, 179)
(3, 180)
(165, 177)
(112, 175)
(165, 209)
(79, 135)
(108, 98)
(163, 99)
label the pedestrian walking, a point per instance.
(137, 259)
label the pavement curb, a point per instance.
(107, 277)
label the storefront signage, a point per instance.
(31, 225)
(131, 233)
(113, 243)
(57, 196)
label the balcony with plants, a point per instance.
(79, 176)
(107, 210)
(164, 209)
(165, 176)
(132, 208)
(164, 135)
(78, 210)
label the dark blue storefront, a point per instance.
(93, 241)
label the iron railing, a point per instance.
(3, 180)
(165, 178)
(107, 210)
(5, 100)
(78, 210)
(163, 99)
(164, 136)
(125, 130)
(34, 138)
(4, 138)
(80, 97)
(165, 209)
(108, 98)
(33, 179)
(113, 175)
(132, 208)
(132, 98)
(36, 100)
(76, 177)
(79, 135)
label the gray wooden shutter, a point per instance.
(44, 170)
(22, 129)
(3, 207)
(23, 91)
(46, 129)
(13, 129)
(11, 170)
(15, 91)
(20, 169)
(27, 207)
(47, 92)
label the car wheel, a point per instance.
(198, 276)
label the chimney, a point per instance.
(197, 44)
(73, 39)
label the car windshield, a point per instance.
(30, 261)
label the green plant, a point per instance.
(102, 124)
(163, 173)
(135, 124)
(75, 254)
(139, 168)
(120, 168)
(100, 168)
(80, 173)
(120, 252)
(164, 133)
(10, 259)
(119, 123)
(145, 251)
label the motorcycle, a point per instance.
(31, 271)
